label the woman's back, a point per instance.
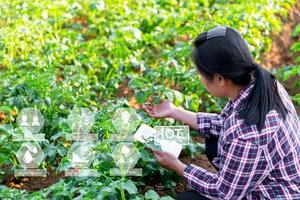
(261, 164)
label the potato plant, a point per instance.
(60, 54)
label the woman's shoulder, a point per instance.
(237, 128)
(286, 99)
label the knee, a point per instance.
(184, 195)
(190, 195)
(181, 196)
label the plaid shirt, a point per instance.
(254, 165)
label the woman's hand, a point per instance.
(169, 161)
(164, 109)
(168, 109)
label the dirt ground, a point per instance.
(278, 56)
(31, 183)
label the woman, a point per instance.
(257, 153)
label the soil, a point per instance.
(31, 183)
(125, 92)
(278, 56)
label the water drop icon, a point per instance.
(27, 157)
(34, 150)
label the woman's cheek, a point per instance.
(214, 91)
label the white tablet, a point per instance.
(143, 133)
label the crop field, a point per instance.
(64, 57)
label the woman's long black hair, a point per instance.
(223, 51)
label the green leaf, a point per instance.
(156, 99)
(130, 187)
(296, 98)
(152, 195)
(192, 102)
(64, 164)
(297, 60)
(178, 98)
(5, 109)
(152, 145)
(137, 83)
(295, 47)
(140, 97)
(166, 198)
(170, 95)
(135, 198)
(296, 31)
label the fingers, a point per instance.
(155, 151)
(149, 109)
(159, 153)
(152, 114)
(158, 156)
(164, 154)
(145, 106)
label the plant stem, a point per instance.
(122, 194)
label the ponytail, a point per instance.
(223, 50)
(263, 98)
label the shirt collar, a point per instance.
(242, 96)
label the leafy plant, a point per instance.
(57, 55)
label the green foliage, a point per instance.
(295, 48)
(151, 195)
(57, 55)
(291, 74)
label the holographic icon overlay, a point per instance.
(81, 153)
(30, 155)
(81, 156)
(125, 121)
(81, 120)
(180, 134)
(30, 121)
(126, 156)
(172, 138)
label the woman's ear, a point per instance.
(220, 80)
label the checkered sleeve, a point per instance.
(209, 123)
(243, 167)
